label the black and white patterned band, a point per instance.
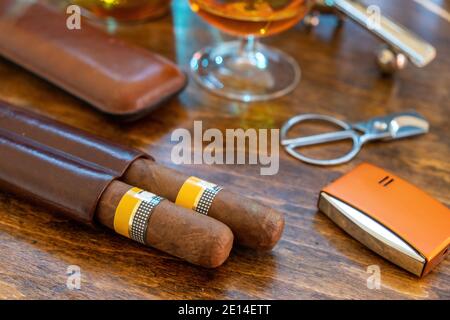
(141, 217)
(206, 199)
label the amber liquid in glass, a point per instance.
(251, 17)
(126, 10)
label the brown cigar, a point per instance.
(195, 238)
(253, 224)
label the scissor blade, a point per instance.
(408, 125)
(318, 138)
(393, 126)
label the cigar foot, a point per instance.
(254, 225)
(220, 248)
(273, 226)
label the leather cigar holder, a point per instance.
(56, 165)
(115, 77)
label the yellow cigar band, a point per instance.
(125, 211)
(197, 194)
(189, 193)
(133, 213)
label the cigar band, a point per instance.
(133, 213)
(197, 194)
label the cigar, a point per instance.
(161, 224)
(254, 225)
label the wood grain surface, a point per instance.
(314, 259)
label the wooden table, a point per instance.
(314, 259)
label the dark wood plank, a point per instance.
(314, 259)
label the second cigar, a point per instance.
(254, 225)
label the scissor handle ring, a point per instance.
(291, 148)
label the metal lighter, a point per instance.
(390, 216)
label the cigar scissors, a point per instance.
(390, 127)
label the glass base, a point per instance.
(245, 71)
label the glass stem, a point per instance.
(250, 53)
(248, 47)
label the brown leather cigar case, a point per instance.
(90, 148)
(56, 165)
(115, 77)
(56, 180)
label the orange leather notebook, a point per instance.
(390, 216)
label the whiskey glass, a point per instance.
(247, 70)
